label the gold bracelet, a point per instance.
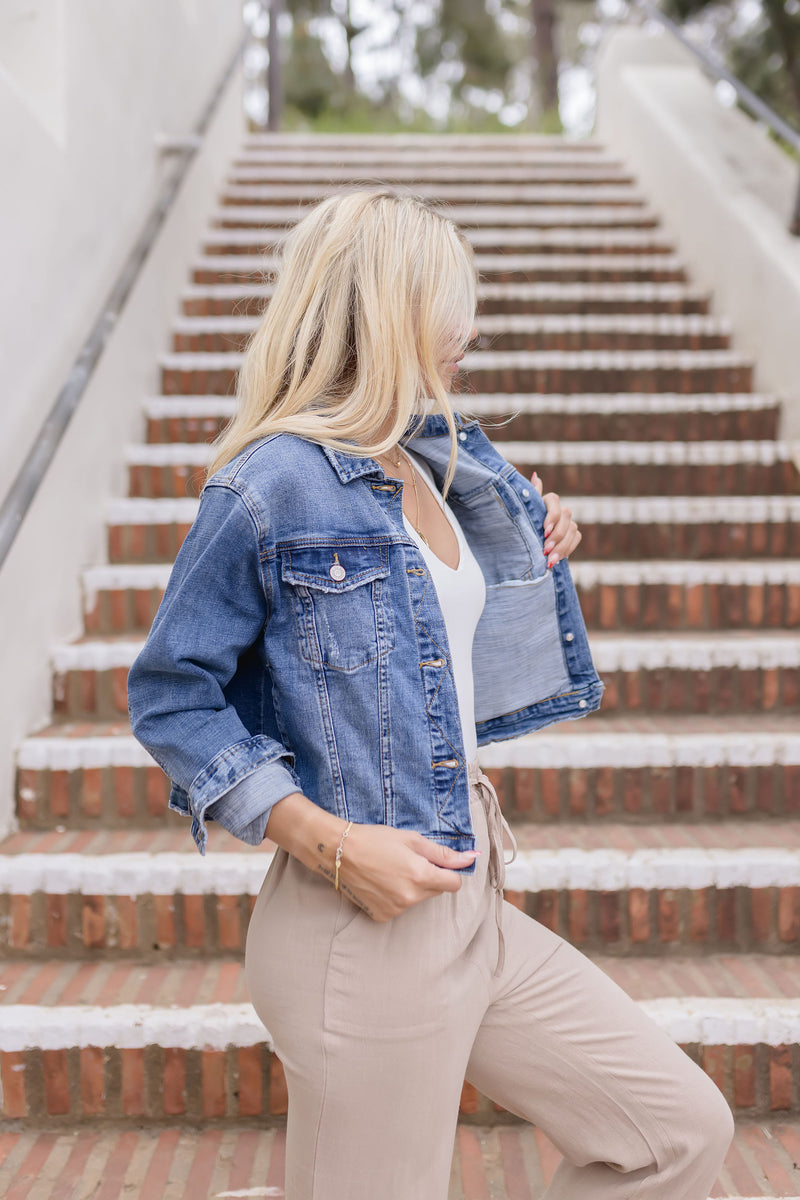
(339, 854)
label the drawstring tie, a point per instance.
(496, 824)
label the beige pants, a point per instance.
(378, 1024)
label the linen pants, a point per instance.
(377, 1025)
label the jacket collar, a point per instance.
(353, 466)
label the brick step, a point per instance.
(448, 172)
(500, 331)
(620, 416)
(99, 1057)
(514, 371)
(95, 775)
(506, 1162)
(291, 196)
(719, 672)
(556, 267)
(580, 468)
(648, 889)
(609, 371)
(504, 241)
(553, 297)
(656, 595)
(469, 217)
(613, 527)
(616, 417)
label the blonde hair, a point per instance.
(377, 291)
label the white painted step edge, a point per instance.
(709, 1021)
(552, 289)
(232, 873)
(493, 323)
(766, 452)
(508, 403)
(617, 510)
(582, 750)
(485, 360)
(228, 235)
(611, 652)
(471, 216)
(243, 263)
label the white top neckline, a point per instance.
(445, 509)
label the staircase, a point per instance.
(660, 835)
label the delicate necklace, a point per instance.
(398, 462)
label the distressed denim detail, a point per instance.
(292, 650)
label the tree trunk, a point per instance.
(275, 68)
(543, 20)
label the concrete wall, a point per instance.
(86, 170)
(723, 190)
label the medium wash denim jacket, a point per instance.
(300, 644)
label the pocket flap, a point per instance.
(353, 564)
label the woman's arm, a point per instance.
(214, 609)
(383, 870)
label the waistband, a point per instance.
(497, 825)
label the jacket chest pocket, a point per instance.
(340, 594)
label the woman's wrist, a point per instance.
(306, 831)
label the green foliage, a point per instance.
(766, 57)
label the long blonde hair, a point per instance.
(377, 291)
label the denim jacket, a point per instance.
(300, 644)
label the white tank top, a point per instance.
(461, 592)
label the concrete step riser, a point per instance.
(565, 379)
(591, 302)
(157, 1085)
(576, 479)
(624, 921)
(135, 797)
(613, 607)
(742, 425)
(101, 694)
(610, 539)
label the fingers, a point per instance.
(537, 483)
(561, 532)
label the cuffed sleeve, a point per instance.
(214, 609)
(244, 810)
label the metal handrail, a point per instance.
(30, 475)
(748, 98)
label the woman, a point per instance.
(368, 593)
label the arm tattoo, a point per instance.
(326, 871)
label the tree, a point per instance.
(763, 50)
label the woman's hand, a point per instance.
(561, 532)
(383, 870)
(386, 870)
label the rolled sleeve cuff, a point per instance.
(244, 810)
(239, 787)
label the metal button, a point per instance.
(337, 571)
(581, 704)
(568, 637)
(526, 492)
(462, 436)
